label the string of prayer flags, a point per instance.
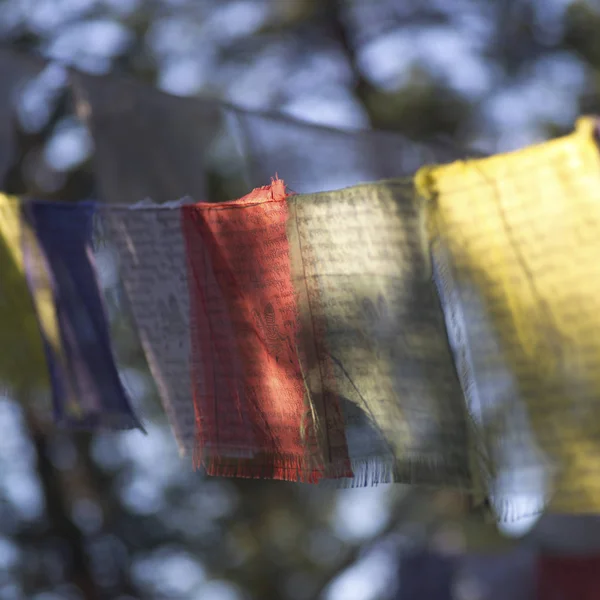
(60, 270)
(516, 241)
(151, 252)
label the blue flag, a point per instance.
(61, 274)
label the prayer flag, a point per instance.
(515, 244)
(151, 255)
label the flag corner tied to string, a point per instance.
(256, 415)
(60, 271)
(515, 243)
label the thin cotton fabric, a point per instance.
(151, 257)
(258, 414)
(515, 243)
(60, 271)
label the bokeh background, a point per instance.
(120, 515)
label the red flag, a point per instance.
(253, 406)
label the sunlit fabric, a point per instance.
(59, 266)
(23, 367)
(152, 263)
(259, 414)
(568, 578)
(515, 242)
(377, 335)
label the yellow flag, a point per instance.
(516, 238)
(22, 360)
